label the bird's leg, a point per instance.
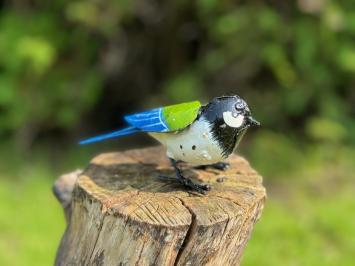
(219, 166)
(201, 188)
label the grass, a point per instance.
(303, 223)
(309, 215)
(31, 220)
(308, 231)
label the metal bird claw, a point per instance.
(186, 182)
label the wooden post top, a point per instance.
(123, 180)
(207, 229)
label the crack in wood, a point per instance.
(97, 238)
(189, 232)
(140, 254)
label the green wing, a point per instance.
(181, 115)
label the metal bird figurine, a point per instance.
(195, 134)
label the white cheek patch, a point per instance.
(232, 121)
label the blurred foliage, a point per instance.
(72, 68)
(67, 64)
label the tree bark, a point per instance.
(121, 213)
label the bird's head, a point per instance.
(230, 111)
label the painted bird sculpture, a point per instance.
(201, 135)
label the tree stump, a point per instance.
(121, 213)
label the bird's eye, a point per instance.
(233, 120)
(239, 105)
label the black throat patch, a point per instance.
(227, 137)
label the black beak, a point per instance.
(252, 122)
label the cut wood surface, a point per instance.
(121, 213)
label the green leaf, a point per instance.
(346, 59)
(38, 51)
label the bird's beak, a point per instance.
(252, 122)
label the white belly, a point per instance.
(194, 145)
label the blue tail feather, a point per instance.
(114, 134)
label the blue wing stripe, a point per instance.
(152, 125)
(146, 114)
(154, 128)
(142, 119)
(150, 121)
(161, 120)
(143, 123)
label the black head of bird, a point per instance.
(229, 118)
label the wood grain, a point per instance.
(121, 213)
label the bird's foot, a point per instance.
(219, 166)
(200, 188)
(188, 183)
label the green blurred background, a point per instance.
(71, 69)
